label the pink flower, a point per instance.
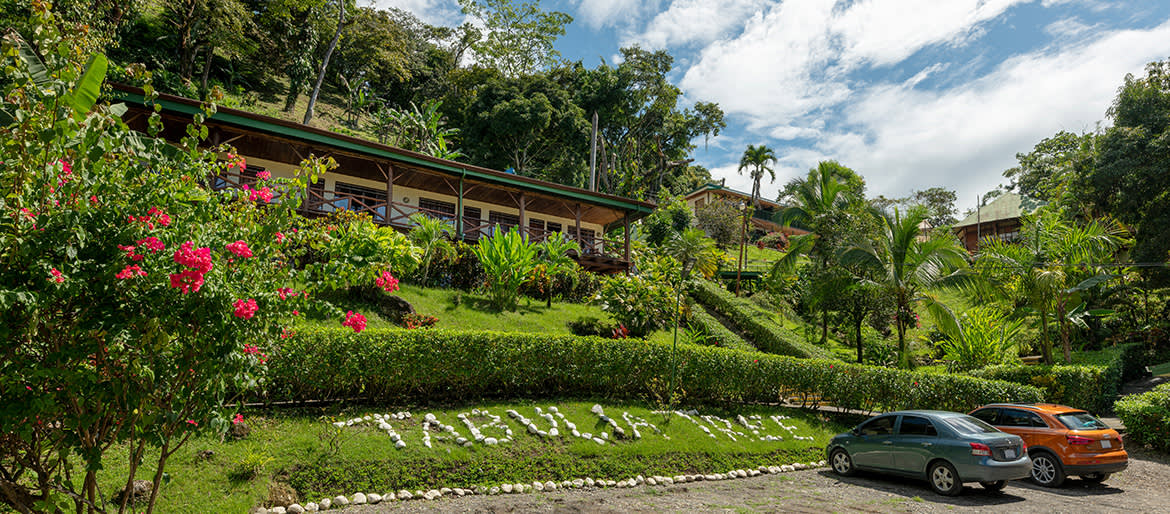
(387, 282)
(355, 321)
(239, 418)
(93, 199)
(130, 271)
(199, 259)
(296, 312)
(279, 238)
(57, 276)
(236, 161)
(284, 292)
(263, 175)
(286, 333)
(251, 349)
(187, 281)
(264, 194)
(152, 244)
(192, 423)
(245, 308)
(240, 248)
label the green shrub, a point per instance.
(716, 333)
(1147, 417)
(641, 303)
(987, 337)
(507, 259)
(1085, 386)
(755, 322)
(390, 366)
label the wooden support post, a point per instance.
(459, 211)
(523, 221)
(389, 192)
(577, 214)
(626, 251)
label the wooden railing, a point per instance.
(318, 201)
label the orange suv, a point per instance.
(1062, 440)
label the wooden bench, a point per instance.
(1032, 360)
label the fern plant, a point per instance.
(984, 336)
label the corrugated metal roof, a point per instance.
(1006, 206)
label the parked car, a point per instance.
(1062, 440)
(944, 448)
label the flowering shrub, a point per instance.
(108, 336)
(415, 320)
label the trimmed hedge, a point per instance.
(1084, 386)
(717, 333)
(755, 322)
(1147, 417)
(390, 365)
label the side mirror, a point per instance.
(854, 431)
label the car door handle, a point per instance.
(887, 442)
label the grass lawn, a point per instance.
(303, 450)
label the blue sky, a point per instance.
(910, 93)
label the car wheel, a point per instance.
(997, 485)
(944, 479)
(1095, 478)
(1046, 470)
(842, 463)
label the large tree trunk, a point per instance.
(207, 58)
(186, 43)
(857, 333)
(325, 62)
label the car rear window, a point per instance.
(1081, 421)
(969, 425)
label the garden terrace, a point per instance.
(391, 184)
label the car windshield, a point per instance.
(969, 425)
(1081, 421)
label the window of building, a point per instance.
(436, 208)
(357, 198)
(504, 220)
(471, 220)
(553, 227)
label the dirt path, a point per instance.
(1141, 488)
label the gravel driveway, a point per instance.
(1141, 488)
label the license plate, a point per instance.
(1106, 444)
(1009, 453)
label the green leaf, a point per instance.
(85, 93)
(36, 67)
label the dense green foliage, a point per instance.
(393, 365)
(1085, 386)
(715, 333)
(1147, 417)
(507, 260)
(754, 321)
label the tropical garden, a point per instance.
(168, 347)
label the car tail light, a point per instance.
(1076, 439)
(1023, 448)
(980, 449)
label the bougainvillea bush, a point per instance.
(133, 301)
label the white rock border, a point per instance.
(339, 502)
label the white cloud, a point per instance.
(434, 12)
(613, 13)
(885, 32)
(695, 21)
(965, 137)
(1067, 28)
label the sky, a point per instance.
(911, 94)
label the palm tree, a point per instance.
(695, 251)
(553, 259)
(909, 268)
(430, 235)
(1049, 271)
(757, 158)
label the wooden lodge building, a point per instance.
(1000, 219)
(764, 219)
(391, 184)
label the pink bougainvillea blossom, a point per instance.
(240, 248)
(152, 244)
(130, 272)
(285, 292)
(187, 281)
(279, 238)
(286, 333)
(158, 215)
(387, 282)
(236, 161)
(355, 321)
(192, 422)
(263, 175)
(245, 308)
(59, 277)
(239, 418)
(194, 258)
(251, 349)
